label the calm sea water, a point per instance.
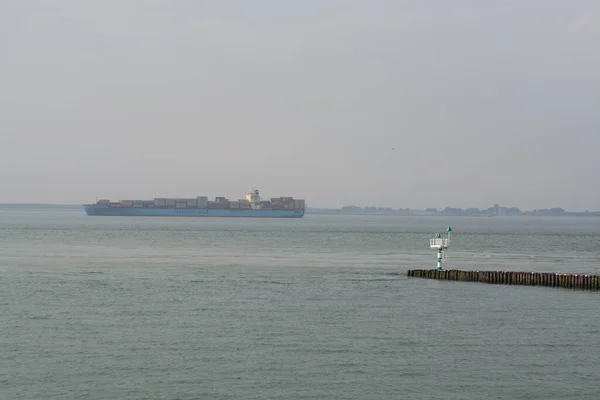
(113, 308)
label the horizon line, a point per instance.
(318, 208)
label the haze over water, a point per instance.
(484, 102)
(369, 103)
(101, 307)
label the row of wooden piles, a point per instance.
(567, 281)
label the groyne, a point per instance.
(548, 279)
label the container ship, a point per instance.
(251, 206)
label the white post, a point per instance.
(439, 259)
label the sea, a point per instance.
(311, 308)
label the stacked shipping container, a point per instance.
(279, 203)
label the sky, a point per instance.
(483, 102)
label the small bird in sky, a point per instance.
(393, 148)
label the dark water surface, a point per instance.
(113, 308)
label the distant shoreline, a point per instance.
(38, 205)
(383, 212)
(453, 213)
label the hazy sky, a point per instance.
(485, 101)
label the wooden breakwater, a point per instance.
(548, 279)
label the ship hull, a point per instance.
(102, 210)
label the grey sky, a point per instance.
(485, 102)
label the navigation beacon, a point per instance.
(441, 245)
